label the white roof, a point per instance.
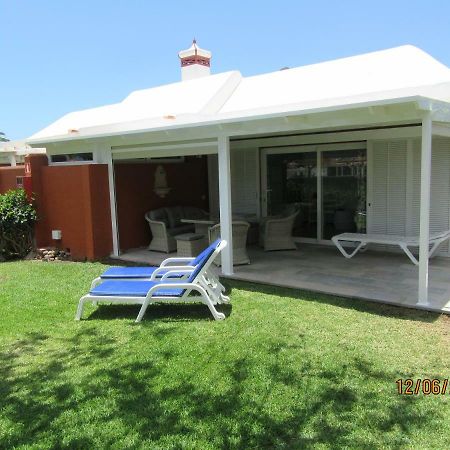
(374, 75)
(164, 102)
(390, 74)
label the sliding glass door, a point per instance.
(326, 183)
(344, 182)
(292, 182)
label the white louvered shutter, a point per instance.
(244, 178)
(213, 181)
(396, 188)
(390, 203)
(440, 188)
(378, 223)
(388, 210)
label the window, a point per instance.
(72, 158)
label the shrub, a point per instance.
(17, 218)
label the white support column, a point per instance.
(319, 230)
(12, 160)
(425, 189)
(225, 203)
(113, 204)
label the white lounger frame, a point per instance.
(204, 284)
(404, 242)
(209, 277)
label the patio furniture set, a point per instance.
(188, 231)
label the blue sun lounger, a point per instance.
(151, 273)
(166, 289)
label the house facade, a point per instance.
(359, 144)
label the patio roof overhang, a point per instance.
(197, 128)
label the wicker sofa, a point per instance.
(165, 224)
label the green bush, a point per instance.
(17, 218)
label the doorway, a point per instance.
(327, 183)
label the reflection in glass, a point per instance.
(344, 175)
(292, 180)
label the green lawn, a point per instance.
(286, 369)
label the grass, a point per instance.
(286, 369)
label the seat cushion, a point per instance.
(191, 212)
(160, 215)
(186, 228)
(115, 273)
(133, 288)
(189, 237)
(175, 214)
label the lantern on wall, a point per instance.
(160, 188)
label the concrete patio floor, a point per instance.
(373, 275)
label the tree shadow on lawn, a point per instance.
(82, 393)
(361, 305)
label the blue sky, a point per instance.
(60, 56)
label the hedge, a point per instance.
(17, 218)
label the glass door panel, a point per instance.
(344, 178)
(292, 181)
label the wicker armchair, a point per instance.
(239, 230)
(162, 241)
(165, 224)
(275, 233)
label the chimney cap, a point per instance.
(193, 51)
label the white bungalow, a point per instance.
(365, 136)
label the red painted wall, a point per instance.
(75, 200)
(8, 176)
(135, 196)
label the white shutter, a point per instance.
(396, 188)
(244, 178)
(415, 204)
(388, 205)
(213, 184)
(440, 188)
(379, 188)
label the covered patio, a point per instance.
(373, 275)
(359, 141)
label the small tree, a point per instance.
(3, 138)
(17, 218)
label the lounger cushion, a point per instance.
(117, 273)
(202, 258)
(134, 272)
(135, 288)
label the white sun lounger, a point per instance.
(167, 289)
(152, 273)
(404, 242)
